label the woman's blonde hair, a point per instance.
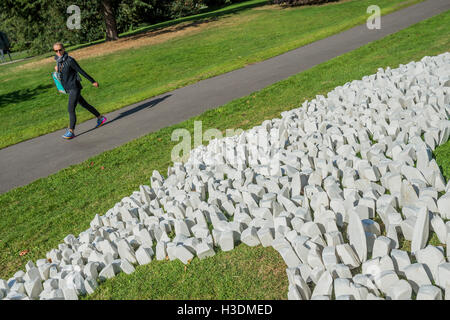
(59, 44)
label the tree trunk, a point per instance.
(110, 21)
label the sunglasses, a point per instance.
(59, 50)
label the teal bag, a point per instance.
(57, 79)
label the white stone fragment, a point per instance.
(266, 236)
(448, 246)
(417, 276)
(385, 279)
(90, 284)
(412, 173)
(34, 288)
(126, 266)
(108, 272)
(75, 280)
(19, 287)
(300, 284)
(392, 234)
(371, 226)
(183, 254)
(400, 290)
(439, 228)
(429, 292)
(401, 260)
(421, 230)
(443, 204)
(347, 255)
(407, 227)
(70, 294)
(342, 288)
(227, 240)
(126, 251)
(382, 246)
(289, 256)
(357, 236)
(320, 297)
(324, 286)
(293, 293)
(144, 255)
(50, 284)
(204, 250)
(250, 237)
(342, 271)
(32, 274)
(171, 250)
(365, 280)
(431, 257)
(314, 258)
(329, 257)
(161, 251)
(443, 279)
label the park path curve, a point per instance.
(27, 161)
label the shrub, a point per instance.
(219, 3)
(182, 8)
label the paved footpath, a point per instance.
(39, 157)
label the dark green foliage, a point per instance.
(219, 3)
(35, 25)
(182, 8)
(130, 14)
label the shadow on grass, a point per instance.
(145, 105)
(163, 30)
(22, 94)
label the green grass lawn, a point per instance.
(29, 105)
(38, 216)
(244, 272)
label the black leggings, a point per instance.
(75, 97)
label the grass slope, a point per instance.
(38, 216)
(29, 106)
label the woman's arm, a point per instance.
(74, 64)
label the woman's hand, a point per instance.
(95, 84)
(56, 68)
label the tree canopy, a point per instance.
(35, 25)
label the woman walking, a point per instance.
(70, 80)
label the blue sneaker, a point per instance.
(69, 134)
(100, 122)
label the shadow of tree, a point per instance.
(22, 94)
(167, 29)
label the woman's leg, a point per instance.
(73, 100)
(87, 106)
